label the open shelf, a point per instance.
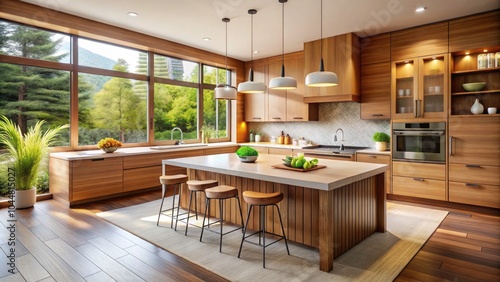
(476, 71)
(477, 92)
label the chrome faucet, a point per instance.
(172, 136)
(341, 140)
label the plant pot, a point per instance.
(248, 159)
(381, 146)
(25, 198)
(257, 138)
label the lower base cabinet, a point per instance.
(475, 194)
(420, 180)
(378, 159)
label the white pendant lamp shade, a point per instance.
(321, 78)
(225, 91)
(251, 86)
(283, 82)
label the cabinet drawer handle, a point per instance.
(256, 118)
(451, 146)
(98, 160)
(276, 118)
(473, 165)
(377, 115)
(298, 118)
(372, 156)
(473, 185)
(419, 179)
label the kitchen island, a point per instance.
(331, 209)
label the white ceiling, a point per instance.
(188, 21)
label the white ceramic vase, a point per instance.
(477, 108)
(380, 146)
(257, 137)
(25, 198)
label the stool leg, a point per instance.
(221, 211)
(245, 229)
(173, 206)
(282, 229)
(196, 205)
(241, 213)
(189, 210)
(207, 207)
(179, 188)
(161, 206)
(263, 230)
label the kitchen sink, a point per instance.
(332, 150)
(169, 147)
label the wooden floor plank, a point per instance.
(447, 241)
(31, 269)
(100, 276)
(43, 233)
(457, 253)
(108, 247)
(13, 278)
(54, 265)
(451, 232)
(113, 268)
(458, 262)
(467, 240)
(73, 235)
(471, 273)
(77, 261)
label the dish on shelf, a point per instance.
(474, 86)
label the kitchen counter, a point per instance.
(125, 152)
(273, 145)
(335, 175)
(332, 208)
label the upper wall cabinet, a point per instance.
(376, 77)
(474, 32)
(419, 41)
(376, 49)
(341, 55)
(256, 104)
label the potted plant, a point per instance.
(207, 132)
(25, 153)
(381, 139)
(258, 136)
(247, 154)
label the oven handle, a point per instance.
(451, 146)
(418, 133)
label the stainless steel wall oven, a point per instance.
(419, 142)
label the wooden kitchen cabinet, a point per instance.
(465, 70)
(419, 41)
(420, 87)
(376, 49)
(276, 98)
(376, 91)
(474, 32)
(280, 105)
(422, 180)
(474, 156)
(85, 179)
(378, 159)
(341, 55)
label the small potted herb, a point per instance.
(247, 154)
(258, 136)
(381, 139)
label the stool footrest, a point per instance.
(281, 237)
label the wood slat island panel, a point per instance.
(331, 209)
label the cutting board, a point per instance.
(282, 166)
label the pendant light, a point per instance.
(283, 82)
(321, 78)
(251, 86)
(225, 91)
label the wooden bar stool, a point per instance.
(221, 193)
(195, 187)
(263, 200)
(176, 181)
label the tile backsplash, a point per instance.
(357, 132)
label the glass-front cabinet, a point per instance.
(419, 87)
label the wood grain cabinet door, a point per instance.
(376, 91)
(96, 177)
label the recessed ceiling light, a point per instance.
(256, 52)
(206, 38)
(132, 14)
(420, 9)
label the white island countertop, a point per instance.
(336, 173)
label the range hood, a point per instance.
(341, 54)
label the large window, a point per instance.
(112, 89)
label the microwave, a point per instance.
(419, 142)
